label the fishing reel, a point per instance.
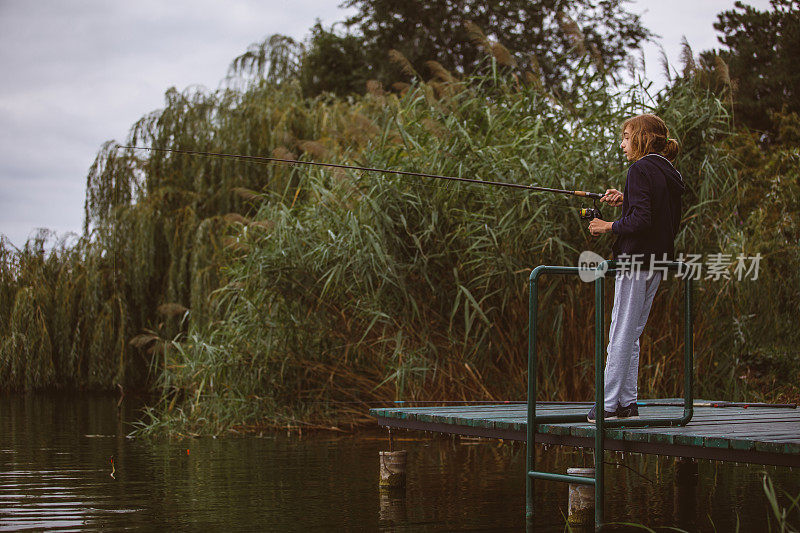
(588, 213)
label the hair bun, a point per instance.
(671, 149)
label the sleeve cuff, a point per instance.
(614, 227)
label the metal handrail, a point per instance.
(600, 424)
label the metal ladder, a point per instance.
(600, 424)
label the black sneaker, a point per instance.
(607, 415)
(628, 411)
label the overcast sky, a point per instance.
(80, 72)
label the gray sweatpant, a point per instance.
(633, 297)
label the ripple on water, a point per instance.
(55, 499)
(56, 456)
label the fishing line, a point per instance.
(585, 213)
(429, 185)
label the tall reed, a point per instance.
(277, 295)
(367, 289)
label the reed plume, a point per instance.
(396, 57)
(375, 88)
(502, 55)
(236, 218)
(439, 72)
(171, 309)
(281, 152)
(313, 148)
(246, 194)
(401, 87)
(477, 37)
(687, 58)
(492, 48)
(573, 32)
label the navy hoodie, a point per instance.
(651, 210)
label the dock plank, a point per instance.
(756, 434)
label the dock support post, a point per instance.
(393, 469)
(580, 509)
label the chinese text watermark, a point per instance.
(713, 266)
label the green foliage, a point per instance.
(762, 57)
(334, 63)
(784, 516)
(253, 294)
(276, 59)
(359, 289)
(51, 337)
(542, 32)
(767, 223)
(100, 311)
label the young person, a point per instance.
(651, 214)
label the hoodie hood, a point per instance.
(673, 178)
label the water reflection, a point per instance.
(393, 510)
(55, 474)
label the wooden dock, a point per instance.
(767, 435)
(761, 435)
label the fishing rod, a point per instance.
(586, 213)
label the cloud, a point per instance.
(79, 73)
(676, 18)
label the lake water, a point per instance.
(55, 475)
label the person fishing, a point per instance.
(651, 214)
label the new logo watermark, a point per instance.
(716, 266)
(588, 263)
